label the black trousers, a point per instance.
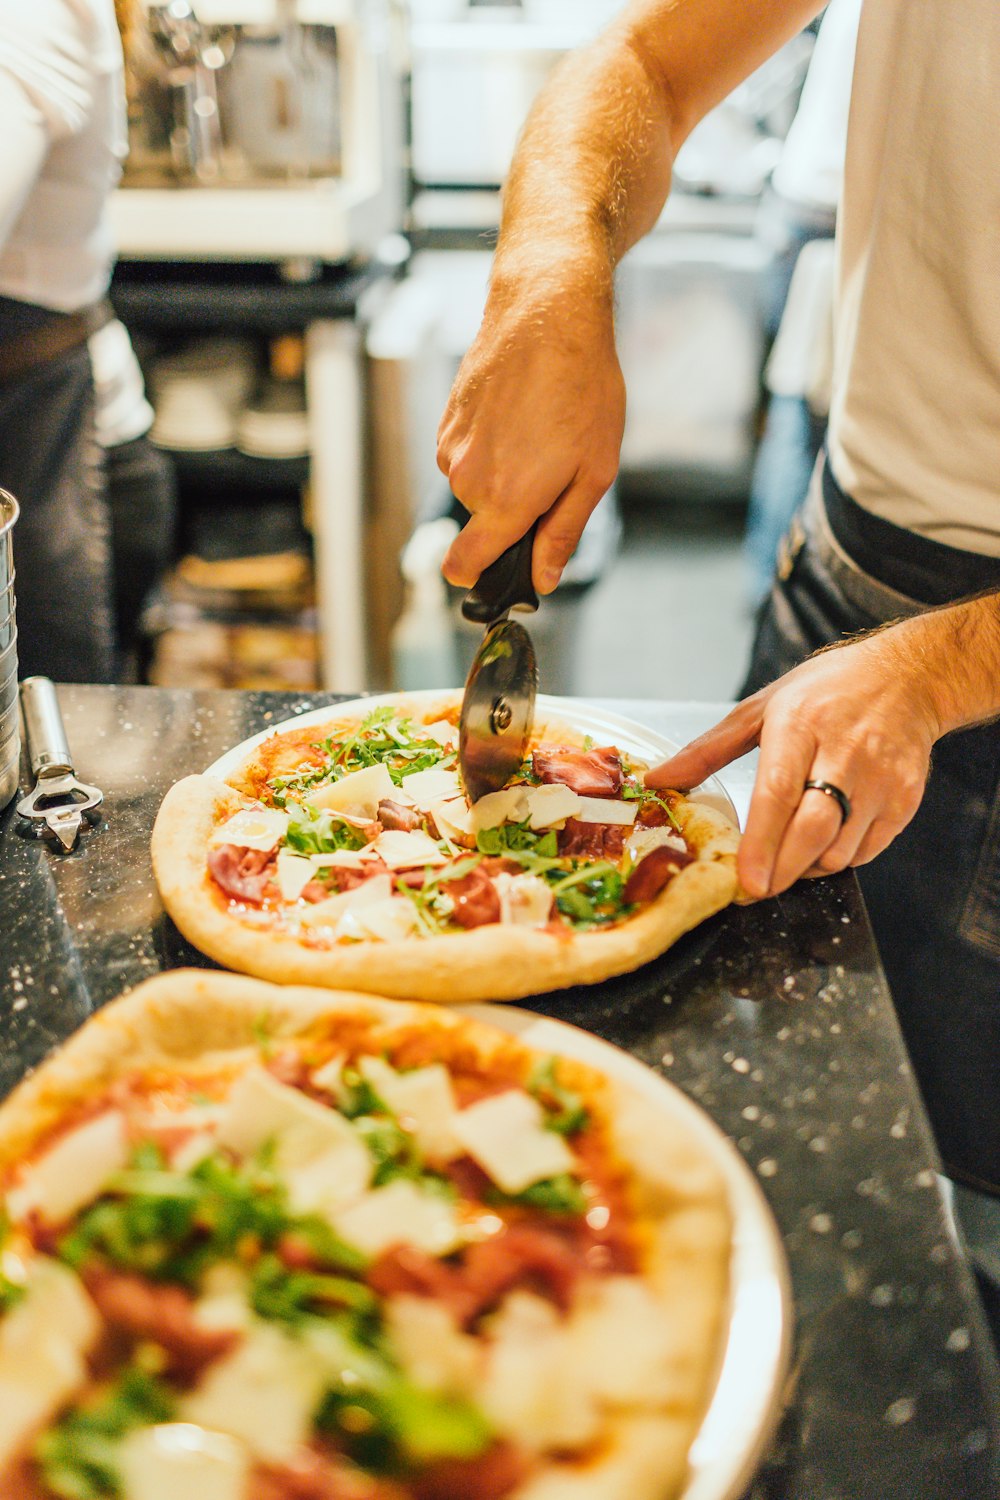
(95, 530)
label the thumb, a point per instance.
(732, 737)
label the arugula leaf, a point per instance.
(77, 1456)
(430, 911)
(635, 791)
(592, 895)
(565, 1111)
(512, 838)
(561, 1194)
(356, 1096)
(289, 1296)
(401, 1426)
(393, 1149)
(381, 738)
(319, 831)
(11, 1293)
(171, 1225)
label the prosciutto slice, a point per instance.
(142, 1309)
(591, 840)
(589, 773)
(243, 874)
(652, 873)
(519, 1256)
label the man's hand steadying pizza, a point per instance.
(534, 423)
(862, 718)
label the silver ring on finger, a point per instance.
(841, 798)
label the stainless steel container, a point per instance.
(10, 738)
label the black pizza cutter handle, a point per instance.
(505, 585)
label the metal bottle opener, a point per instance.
(59, 801)
(499, 702)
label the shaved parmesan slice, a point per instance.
(548, 805)
(407, 851)
(293, 874)
(605, 810)
(264, 1394)
(643, 840)
(430, 1346)
(401, 1213)
(534, 1389)
(387, 921)
(446, 734)
(422, 1099)
(525, 900)
(453, 818)
(154, 1461)
(260, 828)
(329, 912)
(506, 1136)
(73, 1172)
(433, 785)
(322, 1157)
(328, 1076)
(43, 1342)
(359, 793)
(223, 1303)
(507, 806)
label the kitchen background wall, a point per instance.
(305, 225)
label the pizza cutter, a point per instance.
(499, 702)
(59, 801)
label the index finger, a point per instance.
(732, 737)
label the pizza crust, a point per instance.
(197, 1021)
(494, 962)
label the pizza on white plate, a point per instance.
(347, 854)
(271, 1243)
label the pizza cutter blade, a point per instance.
(499, 702)
(59, 801)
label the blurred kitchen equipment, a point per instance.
(238, 99)
(234, 92)
(498, 706)
(59, 801)
(10, 739)
(192, 55)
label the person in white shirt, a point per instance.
(895, 559)
(73, 412)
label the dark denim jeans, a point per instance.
(934, 895)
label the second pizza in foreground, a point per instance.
(347, 854)
(269, 1243)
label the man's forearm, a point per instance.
(954, 652)
(592, 169)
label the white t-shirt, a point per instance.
(64, 132)
(915, 418)
(62, 116)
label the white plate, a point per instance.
(746, 1402)
(605, 727)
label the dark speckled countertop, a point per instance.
(775, 1018)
